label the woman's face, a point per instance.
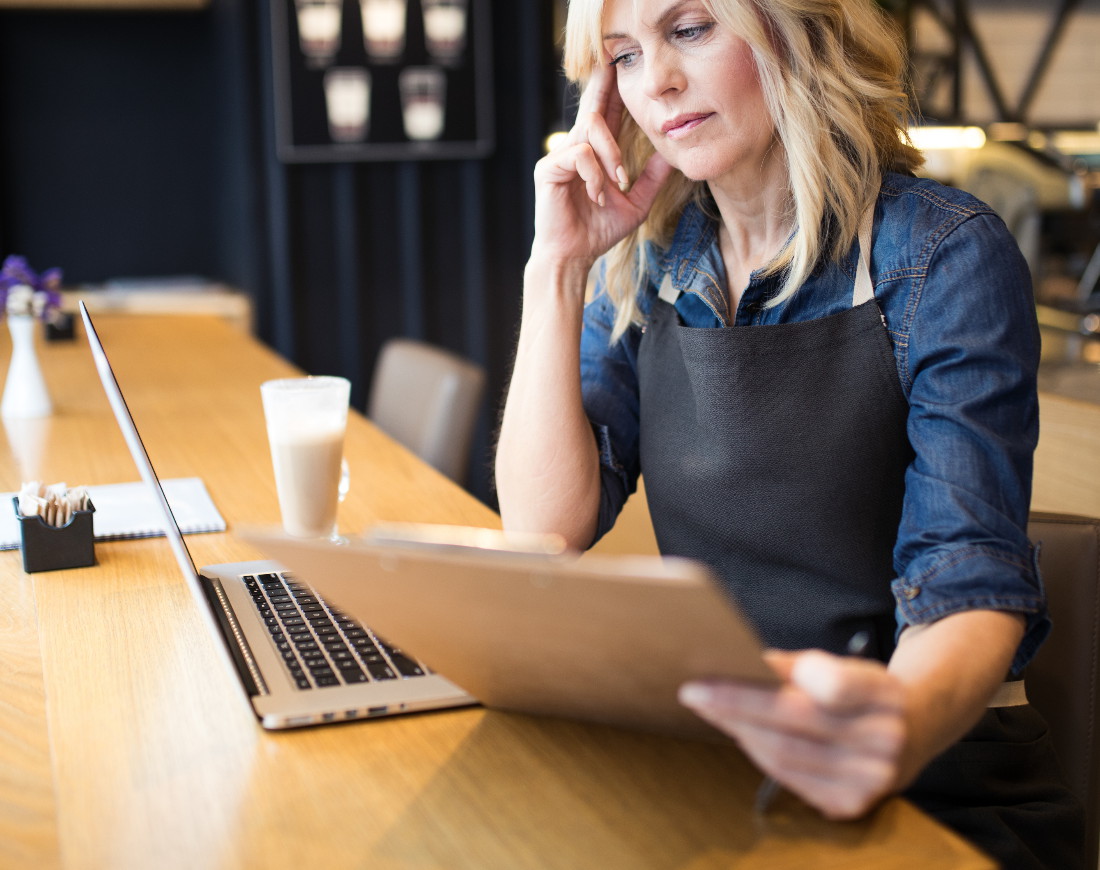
(691, 85)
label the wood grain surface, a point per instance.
(125, 742)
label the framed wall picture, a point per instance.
(382, 79)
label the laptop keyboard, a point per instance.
(321, 646)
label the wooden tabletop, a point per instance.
(126, 743)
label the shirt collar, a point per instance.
(693, 260)
(693, 264)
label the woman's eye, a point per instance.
(692, 31)
(625, 60)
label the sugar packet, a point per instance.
(54, 503)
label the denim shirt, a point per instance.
(956, 297)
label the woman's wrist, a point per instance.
(949, 670)
(549, 261)
(546, 273)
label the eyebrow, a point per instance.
(664, 16)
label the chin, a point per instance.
(699, 167)
(695, 172)
(696, 175)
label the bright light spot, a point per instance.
(555, 140)
(947, 138)
(1077, 142)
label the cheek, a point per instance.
(636, 107)
(750, 93)
(629, 96)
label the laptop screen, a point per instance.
(137, 448)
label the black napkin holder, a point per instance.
(61, 326)
(51, 548)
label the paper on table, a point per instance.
(126, 510)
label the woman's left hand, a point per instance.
(834, 733)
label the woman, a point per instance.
(825, 368)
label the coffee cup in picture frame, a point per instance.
(319, 30)
(423, 102)
(384, 29)
(347, 103)
(445, 25)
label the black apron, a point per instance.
(777, 454)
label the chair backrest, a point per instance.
(1062, 681)
(427, 399)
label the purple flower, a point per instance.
(26, 292)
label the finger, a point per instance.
(597, 91)
(843, 684)
(842, 797)
(596, 134)
(781, 661)
(841, 784)
(607, 149)
(789, 712)
(879, 736)
(731, 707)
(570, 163)
(780, 753)
(649, 184)
(614, 109)
(599, 119)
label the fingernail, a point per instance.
(601, 200)
(620, 174)
(817, 676)
(694, 695)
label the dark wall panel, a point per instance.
(143, 144)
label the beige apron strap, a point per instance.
(1011, 694)
(667, 292)
(864, 289)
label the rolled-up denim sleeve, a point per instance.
(609, 388)
(970, 361)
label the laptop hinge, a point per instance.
(247, 669)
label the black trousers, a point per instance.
(1002, 789)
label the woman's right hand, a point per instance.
(581, 209)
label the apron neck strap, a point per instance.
(864, 290)
(666, 291)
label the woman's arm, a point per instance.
(547, 465)
(949, 670)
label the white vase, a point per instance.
(25, 393)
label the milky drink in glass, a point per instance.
(306, 421)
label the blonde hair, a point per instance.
(831, 72)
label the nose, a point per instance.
(662, 73)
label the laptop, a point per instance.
(516, 621)
(300, 661)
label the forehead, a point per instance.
(646, 12)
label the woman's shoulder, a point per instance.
(916, 215)
(909, 196)
(927, 201)
(944, 264)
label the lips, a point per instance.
(681, 125)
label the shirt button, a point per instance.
(912, 592)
